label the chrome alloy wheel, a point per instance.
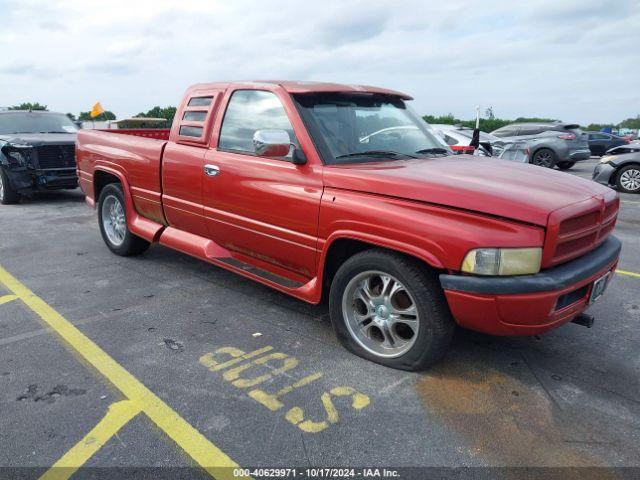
(380, 314)
(114, 221)
(1, 188)
(630, 179)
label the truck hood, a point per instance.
(522, 192)
(37, 139)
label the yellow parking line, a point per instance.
(196, 445)
(630, 201)
(630, 274)
(118, 415)
(7, 298)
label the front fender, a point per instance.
(438, 235)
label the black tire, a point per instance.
(545, 157)
(436, 326)
(628, 179)
(8, 195)
(131, 244)
(565, 165)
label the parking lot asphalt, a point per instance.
(164, 361)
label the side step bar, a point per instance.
(272, 277)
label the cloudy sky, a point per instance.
(576, 60)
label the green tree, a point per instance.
(29, 106)
(630, 123)
(535, 120)
(103, 117)
(160, 112)
(596, 127)
(486, 124)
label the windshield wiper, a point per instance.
(376, 153)
(436, 150)
(55, 131)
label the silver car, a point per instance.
(458, 138)
(552, 144)
(620, 167)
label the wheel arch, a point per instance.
(341, 247)
(102, 178)
(138, 225)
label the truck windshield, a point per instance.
(349, 128)
(35, 122)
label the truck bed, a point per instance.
(134, 154)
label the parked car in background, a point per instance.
(458, 138)
(620, 167)
(341, 191)
(600, 142)
(37, 152)
(552, 144)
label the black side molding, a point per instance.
(555, 278)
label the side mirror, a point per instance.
(271, 143)
(276, 143)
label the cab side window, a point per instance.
(531, 130)
(248, 111)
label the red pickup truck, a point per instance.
(321, 189)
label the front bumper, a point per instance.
(28, 180)
(528, 304)
(603, 173)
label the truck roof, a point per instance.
(293, 87)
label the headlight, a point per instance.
(502, 261)
(607, 158)
(18, 155)
(16, 158)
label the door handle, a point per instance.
(211, 170)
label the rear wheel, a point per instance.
(628, 179)
(565, 165)
(112, 219)
(8, 195)
(387, 308)
(544, 157)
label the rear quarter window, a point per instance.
(505, 132)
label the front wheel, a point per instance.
(8, 195)
(112, 219)
(628, 179)
(565, 165)
(389, 309)
(544, 157)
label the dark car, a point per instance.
(620, 167)
(37, 152)
(600, 142)
(551, 144)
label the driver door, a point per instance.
(263, 208)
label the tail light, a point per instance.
(567, 136)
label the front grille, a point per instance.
(56, 156)
(580, 228)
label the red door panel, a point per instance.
(182, 187)
(265, 208)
